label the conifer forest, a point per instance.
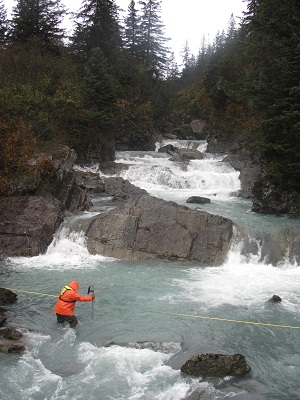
(114, 81)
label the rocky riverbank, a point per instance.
(9, 336)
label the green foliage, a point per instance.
(37, 20)
(273, 87)
(97, 26)
(152, 50)
(3, 22)
(100, 87)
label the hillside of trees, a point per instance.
(113, 82)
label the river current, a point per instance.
(148, 318)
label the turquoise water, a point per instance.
(145, 321)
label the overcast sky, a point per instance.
(184, 20)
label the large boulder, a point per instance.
(146, 227)
(271, 199)
(198, 200)
(121, 189)
(27, 224)
(198, 126)
(216, 365)
(37, 201)
(185, 155)
(250, 170)
(7, 296)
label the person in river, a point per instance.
(65, 305)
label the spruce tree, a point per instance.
(272, 86)
(97, 26)
(131, 29)
(3, 22)
(99, 85)
(152, 50)
(37, 20)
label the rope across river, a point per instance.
(236, 321)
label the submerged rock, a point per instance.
(10, 333)
(184, 155)
(275, 299)
(7, 347)
(146, 227)
(168, 148)
(216, 365)
(198, 200)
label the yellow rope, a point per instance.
(238, 321)
(189, 315)
(26, 291)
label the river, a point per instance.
(147, 318)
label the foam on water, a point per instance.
(242, 281)
(98, 360)
(208, 177)
(67, 251)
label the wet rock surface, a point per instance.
(146, 227)
(216, 365)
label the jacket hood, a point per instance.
(74, 285)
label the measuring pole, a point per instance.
(91, 290)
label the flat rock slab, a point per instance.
(146, 227)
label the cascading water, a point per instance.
(136, 342)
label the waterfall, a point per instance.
(147, 315)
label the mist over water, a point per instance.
(146, 318)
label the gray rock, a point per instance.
(7, 296)
(145, 227)
(28, 224)
(186, 155)
(10, 333)
(90, 182)
(198, 126)
(112, 168)
(2, 318)
(67, 190)
(270, 199)
(121, 189)
(250, 171)
(29, 218)
(216, 365)
(168, 148)
(275, 299)
(198, 200)
(7, 347)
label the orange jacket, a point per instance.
(68, 296)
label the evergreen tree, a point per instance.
(232, 29)
(97, 27)
(153, 52)
(3, 22)
(186, 55)
(99, 86)
(172, 70)
(37, 20)
(272, 85)
(132, 32)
